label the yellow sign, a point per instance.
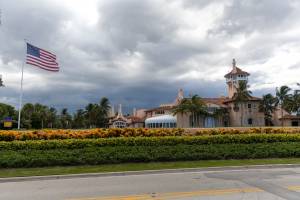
(7, 124)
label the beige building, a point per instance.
(235, 115)
(132, 121)
(245, 114)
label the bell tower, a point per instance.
(234, 77)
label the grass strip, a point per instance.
(45, 171)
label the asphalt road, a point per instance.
(245, 184)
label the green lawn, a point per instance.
(21, 172)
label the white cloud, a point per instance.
(130, 50)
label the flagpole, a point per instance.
(21, 94)
(21, 97)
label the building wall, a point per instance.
(288, 122)
(277, 115)
(140, 113)
(183, 120)
(136, 125)
(248, 113)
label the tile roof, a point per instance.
(135, 119)
(218, 101)
(236, 70)
(251, 98)
(290, 117)
(160, 108)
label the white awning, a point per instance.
(161, 119)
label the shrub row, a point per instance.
(255, 130)
(38, 153)
(148, 141)
(51, 134)
(122, 154)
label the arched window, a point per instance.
(119, 124)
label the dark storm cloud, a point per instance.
(139, 53)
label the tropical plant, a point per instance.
(52, 117)
(194, 105)
(102, 112)
(240, 97)
(267, 106)
(65, 118)
(91, 114)
(221, 113)
(282, 96)
(7, 111)
(292, 103)
(79, 120)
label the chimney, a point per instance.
(112, 111)
(134, 112)
(234, 64)
(120, 114)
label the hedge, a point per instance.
(41, 153)
(148, 141)
(122, 154)
(52, 134)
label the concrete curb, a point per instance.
(147, 172)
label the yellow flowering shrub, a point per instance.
(51, 134)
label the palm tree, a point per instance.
(282, 95)
(292, 103)
(194, 105)
(52, 116)
(79, 119)
(221, 113)
(91, 114)
(27, 112)
(267, 106)
(39, 115)
(102, 112)
(65, 118)
(241, 95)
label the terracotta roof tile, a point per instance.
(236, 70)
(159, 108)
(290, 117)
(135, 119)
(251, 98)
(218, 101)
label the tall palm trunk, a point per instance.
(193, 120)
(242, 114)
(281, 116)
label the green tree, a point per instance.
(102, 112)
(79, 120)
(268, 106)
(241, 96)
(26, 115)
(91, 114)
(7, 111)
(292, 103)
(221, 113)
(39, 116)
(52, 118)
(282, 97)
(194, 105)
(65, 118)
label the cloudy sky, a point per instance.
(140, 52)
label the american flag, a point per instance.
(41, 58)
